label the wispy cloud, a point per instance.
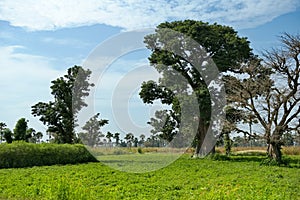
(65, 42)
(24, 81)
(135, 14)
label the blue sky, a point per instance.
(39, 40)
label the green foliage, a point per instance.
(109, 136)
(227, 143)
(165, 123)
(117, 138)
(285, 161)
(20, 130)
(92, 133)
(287, 139)
(68, 92)
(23, 133)
(181, 71)
(269, 162)
(7, 134)
(140, 150)
(22, 154)
(129, 137)
(184, 179)
(217, 156)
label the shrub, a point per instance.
(140, 151)
(22, 154)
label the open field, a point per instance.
(185, 178)
(292, 150)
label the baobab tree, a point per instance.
(269, 91)
(182, 56)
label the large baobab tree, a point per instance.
(269, 91)
(183, 69)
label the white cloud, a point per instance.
(65, 42)
(24, 81)
(135, 14)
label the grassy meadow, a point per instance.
(241, 177)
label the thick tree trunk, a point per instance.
(274, 152)
(201, 148)
(227, 143)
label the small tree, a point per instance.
(20, 130)
(233, 116)
(165, 124)
(142, 139)
(129, 138)
(92, 129)
(38, 136)
(30, 135)
(8, 135)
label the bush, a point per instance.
(22, 154)
(140, 151)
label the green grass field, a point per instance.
(185, 178)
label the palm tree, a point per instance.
(109, 135)
(129, 137)
(117, 138)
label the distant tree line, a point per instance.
(289, 139)
(21, 132)
(129, 140)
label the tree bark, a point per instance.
(201, 148)
(274, 152)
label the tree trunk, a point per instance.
(201, 148)
(274, 152)
(227, 143)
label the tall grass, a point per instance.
(295, 150)
(125, 150)
(291, 150)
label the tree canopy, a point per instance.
(92, 133)
(59, 115)
(181, 70)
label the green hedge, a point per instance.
(22, 154)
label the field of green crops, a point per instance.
(185, 178)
